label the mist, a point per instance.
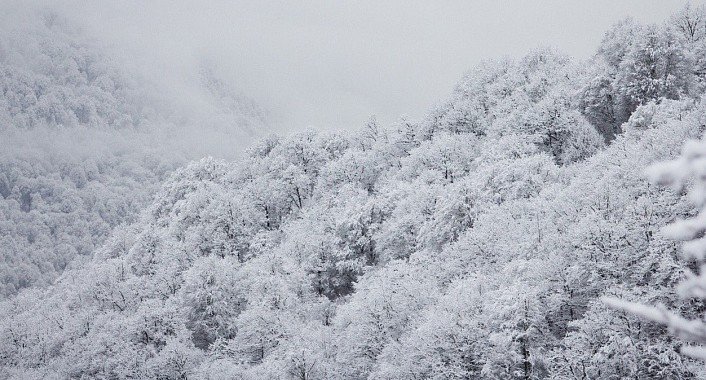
(330, 65)
(198, 190)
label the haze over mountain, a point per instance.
(480, 241)
(330, 65)
(85, 140)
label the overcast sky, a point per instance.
(331, 64)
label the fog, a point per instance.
(330, 65)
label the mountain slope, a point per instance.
(85, 144)
(473, 244)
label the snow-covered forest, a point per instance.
(530, 226)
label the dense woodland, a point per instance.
(492, 239)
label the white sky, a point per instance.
(331, 64)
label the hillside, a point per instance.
(84, 144)
(475, 243)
